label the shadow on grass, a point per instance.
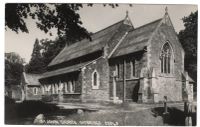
(15, 112)
(175, 117)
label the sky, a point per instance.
(96, 18)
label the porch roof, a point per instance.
(32, 79)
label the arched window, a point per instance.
(46, 89)
(166, 59)
(70, 87)
(35, 91)
(73, 85)
(117, 68)
(60, 87)
(132, 63)
(95, 80)
(66, 89)
(53, 88)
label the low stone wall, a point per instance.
(76, 97)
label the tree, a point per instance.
(63, 17)
(36, 64)
(50, 49)
(188, 39)
(13, 69)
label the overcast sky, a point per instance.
(96, 18)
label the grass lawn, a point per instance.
(123, 115)
(128, 114)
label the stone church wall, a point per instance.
(102, 93)
(168, 84)
(132, 82)
(30, 95)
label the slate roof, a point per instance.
(65, 70)
(32, 79)
(136, 39)
(84, 47)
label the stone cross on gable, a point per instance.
(126, 13)
(127, 20)
(166, 10)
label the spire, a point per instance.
(127, 19)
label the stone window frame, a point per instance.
(56, 88)
(73, 86)
(171, 64)
(117, 70)
(43, 90)
(132, 62)
(49, 88)
(60, 87)
(52, 88)
(69, 86)
(66, 87)
(35, 90)
(97, 80)
(46, 88)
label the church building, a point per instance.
(121, 63)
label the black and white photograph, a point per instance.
(100, 64)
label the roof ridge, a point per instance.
(67, 46)
(99, 31)
(95, 36)
(108, 27)
(146, 24)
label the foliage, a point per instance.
(43, 53)
(188, 39)
(13, 69)
(36, 64)
(63, 17)
(50, 49)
